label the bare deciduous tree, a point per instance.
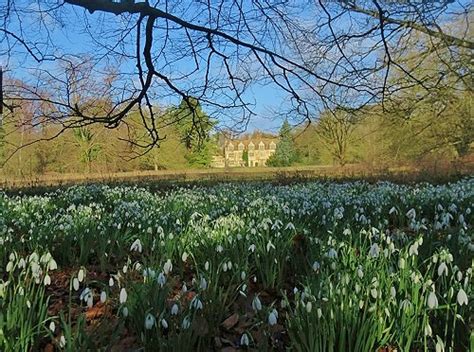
(72, 54)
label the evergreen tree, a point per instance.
(285, 154)
(194, 127)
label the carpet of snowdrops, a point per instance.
(306, 267)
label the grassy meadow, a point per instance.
(262, 266)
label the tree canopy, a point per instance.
(67, 55)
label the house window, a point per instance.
(261, 146)
(251, 146)
(230, 146)
(272, 146)
(241, 146)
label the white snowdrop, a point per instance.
(432, 300)
(161, 279)
(256, 304)
(442, 269)
(244, 340)
(164, 323)
(80, 275)
(174, 309)
(123, 296)
(103, 296)
(413, 249)
(75, 284)
(316, 266)
(47, 280)
(332, 253)
(309, 307)
(272, 317)
(439, 344)
(186, 323)
(52, 326)
(203, 284)
(168, 267)
(62, 341)
(150, 321)
(136, 246)
(111, 282)
(184, 257)
(374, 250)
(125, 312)
(462, 297)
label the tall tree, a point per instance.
(285, 154)
(139, 53)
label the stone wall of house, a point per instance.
(258, 152)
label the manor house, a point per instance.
(247, 152)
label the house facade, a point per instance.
(248, 152)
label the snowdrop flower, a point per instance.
(123, 296)
(161, 279)
(244, 340)
(125, 312)
(111, 282)
(401, 263)
(206, 266)
(309, 306)
(360, 273)
(272, 317)
(62, 341)
(84, 296)
(319, 313)
(331, 253)
(22, 264)
(439, 344)
(196, 303)
(256, 304)
(224, 267)
(374, 293)
(203, 284)
(219, 249)
(443, 269)
(462, 297)
(186, 323)
(184, 257)
(52, 326)
(393, 210)
(9, 267)
(411, 213)
(47, 280)
(252, 248)
(413, 250)
(270, 245)
(428, 330)
(75, 284)
(406, 304)
(168, 267)
(149, 321)
(374, 250)
(184, 289)
(174, 309)
(164, 324)
(136, 246)
(316, 266)
(432, 300)
(243, 275)
(103, 296)
(393, 292)
(52, 265)
(80, 275)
